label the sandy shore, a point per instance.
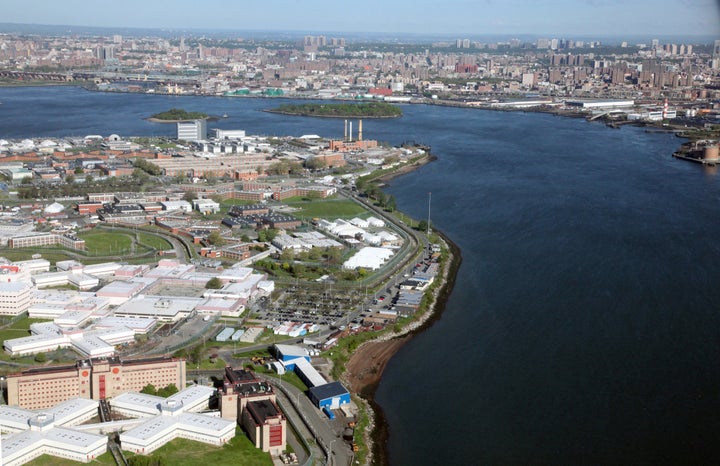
(366, 365)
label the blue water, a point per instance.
(584, 324)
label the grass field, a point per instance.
(105, 243)
(239, 450)
(182, 452)
(19, 329)
(53, 255)
(47, 460)
(329, 209)
(155, 242)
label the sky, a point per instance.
(552, 18)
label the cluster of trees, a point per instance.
(148, 167)
(164, 392)
(192, 355)
(295, 269)
(46, 190)
(265, 236)
(305, 264)
(216, 239)
(354, 110)
(179, 114)
(374, 192)
(285, 167)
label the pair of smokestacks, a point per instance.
(351, 131)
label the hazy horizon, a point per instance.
(456, 18)
(356, 36)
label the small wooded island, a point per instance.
(349, 110)
(177, 114)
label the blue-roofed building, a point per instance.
(331, 395)
(287, 353)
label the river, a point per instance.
(584, 324)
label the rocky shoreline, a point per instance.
(366, 365)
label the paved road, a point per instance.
(312, 424)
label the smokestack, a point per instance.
(350, 132)
(359, 130)
(345, 138)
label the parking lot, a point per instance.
(319, 305)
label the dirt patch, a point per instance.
(367, 364)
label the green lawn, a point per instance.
(155, 242)
(105, 243)
(182, 452)
(329, 209)
(239, 450)
(23, 254)
(288, 377)
(19, 329)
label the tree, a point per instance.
(189, 196)
(298, 270)
(360, 184)
(271, 233)
(390, 203)
(139, 174)
(422, 225)
(381, 198)
(245, 238)
(316, 163)
(79, 171)
(40, 357)
(333, 255)
(149, 389)
(168, 391)
(214, 284)
(70, 178)
(262, 236)
(216, 239)
(288, 254)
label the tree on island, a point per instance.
(353, 110)
(179, 114)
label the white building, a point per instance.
(162, 308)
(206, 206)
(229, 133)
(171, 418)
(15, 298)
(192, 131)
(33, 434)
(182, 206)
(368, 258)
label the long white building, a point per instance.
(33, 434)
(171, 418)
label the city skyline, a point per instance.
(459, 17)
